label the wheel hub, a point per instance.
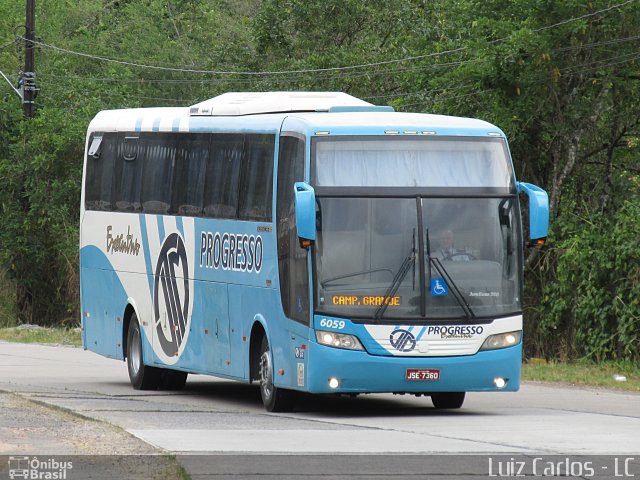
(135, 357)
(266, 375)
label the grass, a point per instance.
(56, 336)
(584, 373)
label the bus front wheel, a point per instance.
(275, 399)
(447, 400)
(142, 376)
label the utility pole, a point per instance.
(29, 74)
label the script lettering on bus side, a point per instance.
(128, 244)
(232, 252)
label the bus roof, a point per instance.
(309, 113)
(392, 123)
(252, 103)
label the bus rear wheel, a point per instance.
(142, 376)
(275, 399)
(449, 400)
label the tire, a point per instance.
(274, 399)
(142, 376)
(173, 379)
(449, 400)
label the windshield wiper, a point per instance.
(457, 294)
(354, 274)
(397, 281)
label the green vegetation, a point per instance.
(55, 336)
(585, 373)
(559, 77)
(175, 471)
(7, 302)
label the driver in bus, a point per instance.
(447, 250)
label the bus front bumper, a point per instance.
(333, 370)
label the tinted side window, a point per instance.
(214, 175)
(192, 154)
(99, 175)
(223, 175)
(128, 174)
(158, 161)
(257, 178)
(292, 259)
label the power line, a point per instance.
(11, 84)
(564, 22)
(255, 74)
(129, 96)
(334, 76)
(592, 66)
(598, 44)
(313, 70)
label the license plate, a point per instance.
(423, 374)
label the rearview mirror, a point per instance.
(305, 198)
(538, 211)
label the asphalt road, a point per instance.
(226, 419)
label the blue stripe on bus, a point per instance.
(156, 125)
(160, 228)
(424, 329)
(175, 126)
(147, 253)
(139, 124)
(180, 226)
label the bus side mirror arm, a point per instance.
(538, 212)
(305, 198)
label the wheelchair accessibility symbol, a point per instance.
(439, 287)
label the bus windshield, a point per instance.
(371, 251)
(411, 162)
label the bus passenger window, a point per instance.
(158, 159)
(128, 175)
(192, 153)
(223, 175)
(99, 175)
(257, 178)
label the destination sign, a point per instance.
(366, 300)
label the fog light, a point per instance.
(333, 383)
(500, 382)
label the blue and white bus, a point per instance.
(309, 241)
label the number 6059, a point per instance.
(337, 324)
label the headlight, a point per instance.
(338, 340)
(502, 340)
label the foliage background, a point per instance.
(561, 78)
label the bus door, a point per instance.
(293, 260)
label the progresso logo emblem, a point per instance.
(402, 340)
(171, 294)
